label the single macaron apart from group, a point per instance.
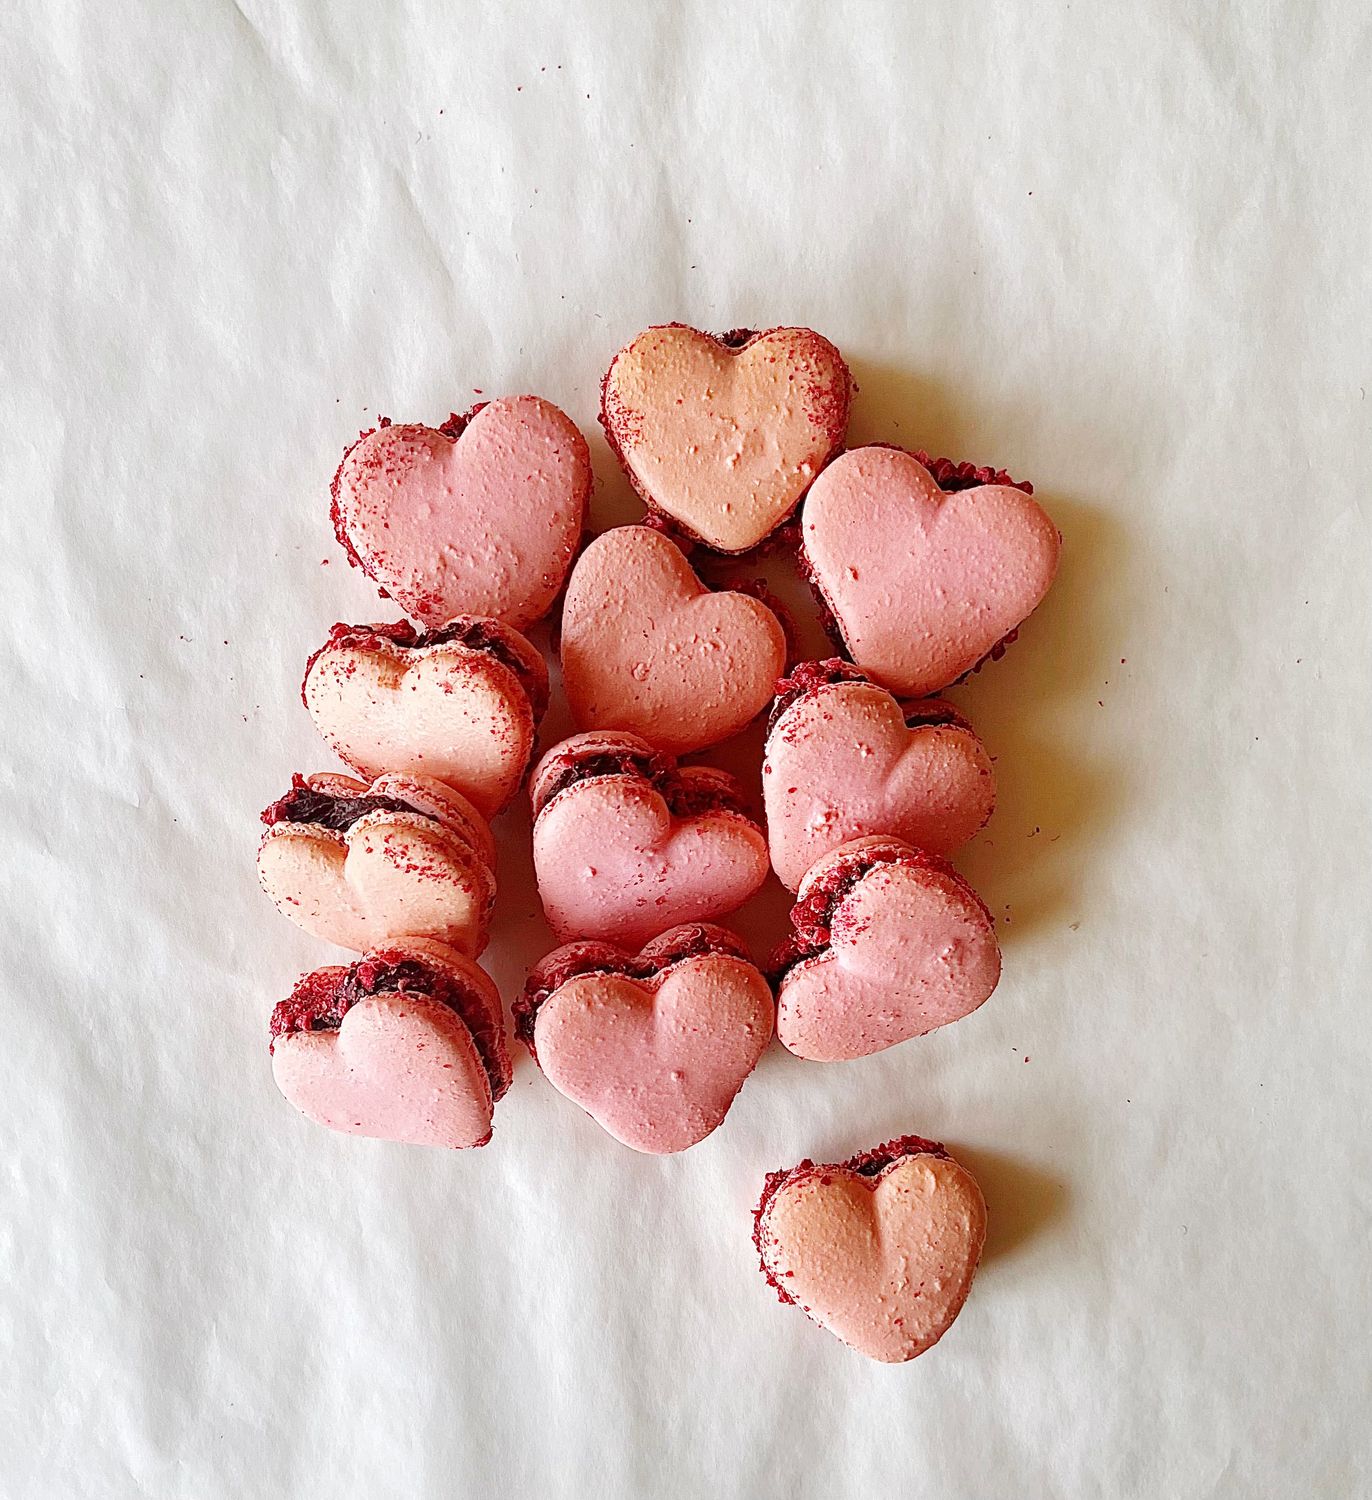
(651, 1017)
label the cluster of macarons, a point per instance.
(651, 1015)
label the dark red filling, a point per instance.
(685, 799)
(736, 338)
(922, 713)
(867, 1163)
(808, 677)
(321, 1000)
(486, 636)
(303, 804)
(692, 940)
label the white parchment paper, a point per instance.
(1120, 249)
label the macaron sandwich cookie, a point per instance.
(723, 434)
(481, 515)
(925, 568)
(356, 863)
(646, 647)
(654, 1046)
(626, 842)
(407, 1045)
(844, 759)
(888, 942)
(459, 703)
(880, 1249)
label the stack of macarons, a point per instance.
(651, 1015)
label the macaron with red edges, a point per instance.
(481, 515)
(647, 648)
(356, 863)
(888, 942)
(925, 568)
(723, 434)
(626, 842)
(654, 1046)
(844, 760)
(407, 1044)
(880, 1249)
(459, 703)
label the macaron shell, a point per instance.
(883, 1263)
(657, 1065)
(923, 584)
(726, 441)
(400, 1068)
(910, 950)
(612, 862)
(390, 874)
(486, 524)
(841, 762)
(648, 649)
(443, 711)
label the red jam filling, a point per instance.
(685, 799)
(303, 804)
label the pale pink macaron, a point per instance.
(888, 942)
(459, 703)
(925, 571)
(407, 1045)
(844, 760)
(647, 648)
(356, 863)
(479, 516)
(880, 1249)
(627, 843)
(723, 434)
(654, 1046)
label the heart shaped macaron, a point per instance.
(459, 704)
(479, 516)
(880, 1250)
(356, 864)
(405, 1045)
(627, 843)
(844, 760)
(724, 435)
(923, 582)
(888, 942)
(647, 648)
(653, 1046)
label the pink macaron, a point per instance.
(844, 760)
(356, 863)
(647, 648)
(888, 942)
(880, 1249)
(654, 1046)
(459, 703)
(479, 516)
(627, 843)
(723, 435)
(925, 567)
(407, 1044)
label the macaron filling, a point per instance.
(303, 804)
(691, 940)
(321, 1000)
(806, 678)
(866, 1164)
(685, 798)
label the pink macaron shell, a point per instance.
(923, 585)
(883, 1262)
(841, 762)
(442, 711)
(657, 1063)
(723, 439)
(613, 863)
(647, 648)
(910, 948)
(484, 523)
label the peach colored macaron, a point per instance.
(880, 1249)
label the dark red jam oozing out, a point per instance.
(924, 712)
(303, 804)
(867, 1163)
(685, 799)
(807, 677)
(691, 940)
(321, 1000)
(736, 338)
